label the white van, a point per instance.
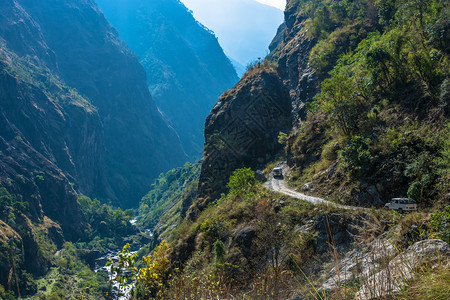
(402, 204)
(277, 172)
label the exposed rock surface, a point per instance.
(9, 240)
(35, 136)
(244, 240)
(381, 270)
(242, 130)
(291, 53)
(360, 263)
(403, 267)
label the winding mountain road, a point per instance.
(279, 185)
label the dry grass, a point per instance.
(433, 285)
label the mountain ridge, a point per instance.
(186, 67)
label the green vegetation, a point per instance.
(252, 247)
(8, 203)
(170, 197)
(148, 280)
(241, 181)
(28, 71)
(71, 278)
(384, 70)
(108, 225)
(67, 273)
(431, 285)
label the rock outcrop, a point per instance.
(290, 49)
(381, 270)
(242, 129)
(391, 279)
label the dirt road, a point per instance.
(279, 185)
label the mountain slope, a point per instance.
(369, 84)
(186, 68)
(76, 117)
(77, 44)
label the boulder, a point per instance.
(380, 269)
(392, 278)
(308, 187)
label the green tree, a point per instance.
(341, 102)
(282, 138)
(356, 156)
(241, 180)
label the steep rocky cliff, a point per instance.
(290, 49)
(74, 42)
(39, 136)
(186, 67)
(242, 129)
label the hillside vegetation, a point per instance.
(368, 82)
(167, 202)
(380, 119)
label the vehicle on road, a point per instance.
(402, 205)
(277, 173)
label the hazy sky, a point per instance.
(277, 3)
(244, 28)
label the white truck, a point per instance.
(402, 205)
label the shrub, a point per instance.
(356, 156)
(241, 181)
(219, 251)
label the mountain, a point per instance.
(76, 117)
(352, 104)
(186, 68)
(98, 65)
(244, 28)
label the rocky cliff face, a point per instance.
(186, 67)
(290, 49)
(73, 41)
(242, 129)
(37, 135)
(237, 137)
(91, 58)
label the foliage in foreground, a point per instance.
(146, 281)
(280, 262)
